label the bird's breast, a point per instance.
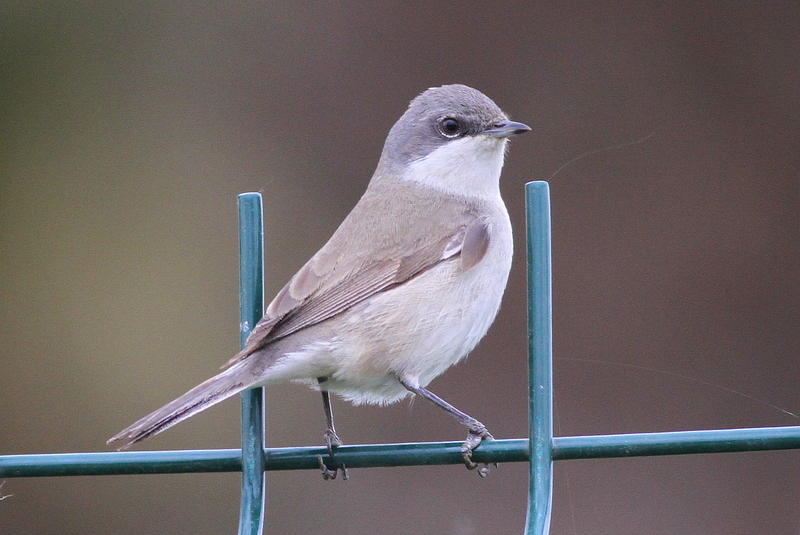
(425, 325)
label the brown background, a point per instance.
(128, 129)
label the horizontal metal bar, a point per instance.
(116, 463)
(406, 454)
(229, 460)
(677, 443)
(413, 454)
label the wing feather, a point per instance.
(328, 284)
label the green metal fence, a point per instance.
(539, 450)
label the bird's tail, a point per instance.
(208, 393)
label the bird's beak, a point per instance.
(506, 129)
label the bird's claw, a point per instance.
(332, 441)
(328, 474)
(476, 435)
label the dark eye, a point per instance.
(450, 127)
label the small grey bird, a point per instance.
(407, 285)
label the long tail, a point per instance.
(208, 393)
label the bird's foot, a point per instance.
(332, 441)
(328, 474)
(477, 434)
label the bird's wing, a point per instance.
(333, 280)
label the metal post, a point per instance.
(540, 358)
(251, 308)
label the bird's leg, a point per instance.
(477, 431)
(332, 440)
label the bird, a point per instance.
(406, 286)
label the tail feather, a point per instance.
(201, 397)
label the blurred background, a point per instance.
(128, 129)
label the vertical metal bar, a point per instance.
(251, 308)
(540, 358)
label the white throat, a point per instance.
(467, 166)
